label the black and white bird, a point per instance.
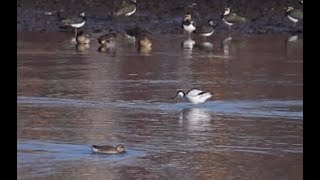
(188, 24)
(127, 8)
(231, 18)
(205, 30)
(294, 15)
(194, 96)
(75, 22)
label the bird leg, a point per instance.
(75, 32)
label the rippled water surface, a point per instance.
(70, 97)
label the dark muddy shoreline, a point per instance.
(158, 16)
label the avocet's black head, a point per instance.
(180, 94)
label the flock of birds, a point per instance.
(142, 38)
(194, 96)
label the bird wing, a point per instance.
(72, 20)
(194, 92)
(297, 14)
(233, 18)
(204, 29)
(125, 9)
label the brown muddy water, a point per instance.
(69, 98)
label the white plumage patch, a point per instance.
(189, 28)
(207, 34)
(130, 13)
(78, 25)
(293, 19)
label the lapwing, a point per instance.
(188, 24)
(76, 22)
(205, 30)
(294, 15)
(231, 18)
(126, 9)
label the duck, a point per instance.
(294, 15)
(144, 41)
(194, 96)
(106, 149)
(231, 18)
(109, 39)
(187, 24)
(127, 8)
(205, 30)
(83, 38)
(76, 22)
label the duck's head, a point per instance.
(120, 148)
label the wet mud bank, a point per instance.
(263, 17)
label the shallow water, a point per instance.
(72, 97)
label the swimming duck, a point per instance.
(144, 41)
(195, 96)
(83, 38)
(127, 8)
(231, 18)
(75, 22)
(109, 39)
(105, 149)
(294, 15)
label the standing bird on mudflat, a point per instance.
(205, 30)
(188, 24)
(127, 8)
(294, 15)
(75, 22)
(231, 18)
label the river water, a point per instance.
(70, 97)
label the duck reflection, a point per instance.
(82, 47)
(195, 118)
(107, 49)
